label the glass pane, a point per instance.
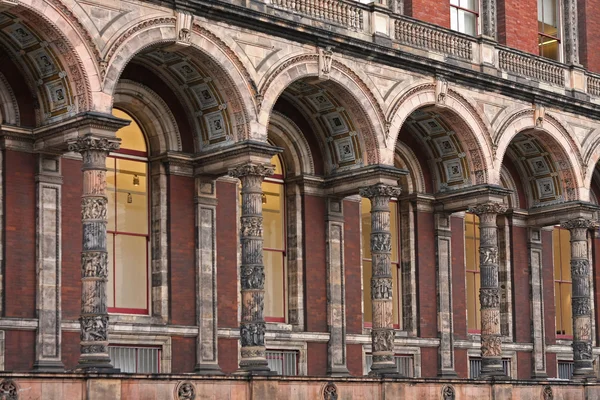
(131, 136)
(110, 192)
(472, 316)
(273, 217)
(111, 267)
(558, 306)
(453, 19)
(366, 228)
(469, 4)
(565, 295)
(396, 296)
(550, 13)
(477, 302)
(132, 200)
(565, 254)
(276, 161)
(468, 22)
(557, 257)
(274, 284)
(455, 2)
(368, 308)
(131, 280)
(394, 230)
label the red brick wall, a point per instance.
(70, 349)
(429, 362)
(19, 352)
(227, 247)
(354, 359)
(461, 363)
(317, 359)
(551, 365)
(352, 260)
(524, 364)
(71, 238)
(183, 353)
(426, 277)
(589, 33)
(20, 235)
(182, 250)
(520, 282)
(228, 355)
(548, 281)
(433, 11)
(315, 276)
(517, 24)
(459, 298)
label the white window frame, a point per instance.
(162, 342)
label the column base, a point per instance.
(584, 375)
(541, 376)
(254, 372)
(339, 372)
(447, 373)
(99, 365)
(208, 369)
(48, 366)
(386, 371)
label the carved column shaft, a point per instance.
(382, 333)
(489, 292)
(252, 271)
(571, 28)
(94, 258)
(580, 299)
(488, 19)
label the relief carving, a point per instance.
(448, 393)
(252, 226)
(330, 392)
(94, 328)
(8, 390)
(582, 351)
(93, 208)
(580, 267)
(381, 288)
(380, 190)
(186, 391)
(381, 264)
(260, 170)
(489, 298)
(383, 340)
(488, 208)
(94, 264)
(488, 255)
(581, 306)
(252, 277)
(579, 223)
(381, 242)
(491, 346)
(93, 349)
(252, 334)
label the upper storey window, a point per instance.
(463, 16)
(549, 29)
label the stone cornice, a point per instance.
(461, 200)
(350, 182)
(558, 213)
(218, 162)
(16, 138)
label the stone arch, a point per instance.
(362, 104)
(507, 181)
(592, 158)
(152, 113)
(9, 108)
(557, 141)
(283, 132)
(406, 159)
(239, 89)
(56, 55)
(460, 113)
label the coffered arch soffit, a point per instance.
(405, 158)
(297, 157)
(553, 138)
(152, 113)
(461, 117)
(341, 85)
(55, 62)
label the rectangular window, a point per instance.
(561, 239)
(472, 272)
(549, 29)
(404, 364)
(367, 263)
(475, 367)
(565, 370)
(135, 360)
(464, 15)
(283, 362)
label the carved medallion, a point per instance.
(8, 390)
(448, 393)
(330, 392)
(186, 391)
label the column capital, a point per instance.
(94, 149)
(579, 223)
(488, 208)
(380, 190)
(252, 169)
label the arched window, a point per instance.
(127, 229)
(367, 263)
(472, 271)
(274, 236)
(561, 240)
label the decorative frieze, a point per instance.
(488, 19)
(382, 333)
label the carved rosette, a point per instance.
(9, 390)
(382, 334)
(580, 299)
(489, 292)
(94, 257)
(252, 272)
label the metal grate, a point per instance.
(475, 367)
(404, 365)
(565, 370)
(135, 360)
(283, 362)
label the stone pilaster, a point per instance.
(207, 360)
(571, 29)
(336, 302)
(489, 292)
(48, 355)
(94, 258)
(160, 244)
(295, 257)
(489, 19)
(538, 329)
(443, 246)
(583, 368)
(382, 333)
(252, 271)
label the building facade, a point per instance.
(356, 193)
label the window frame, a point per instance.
(560, 283)
(475, 12)
(476, 274)
(141, 346)
(559, 33)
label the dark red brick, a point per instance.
(353, 274)
(315, 274)
(19, 351)
(227, 247)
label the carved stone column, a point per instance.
(48, 355)
(207, 360)
(336, 302)
(583, 368)
(252, 270)
(571, 28)
(382, 334)
(443, 246)
(488, 19)
(489, 293)
(94, 258)
(538, 329)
